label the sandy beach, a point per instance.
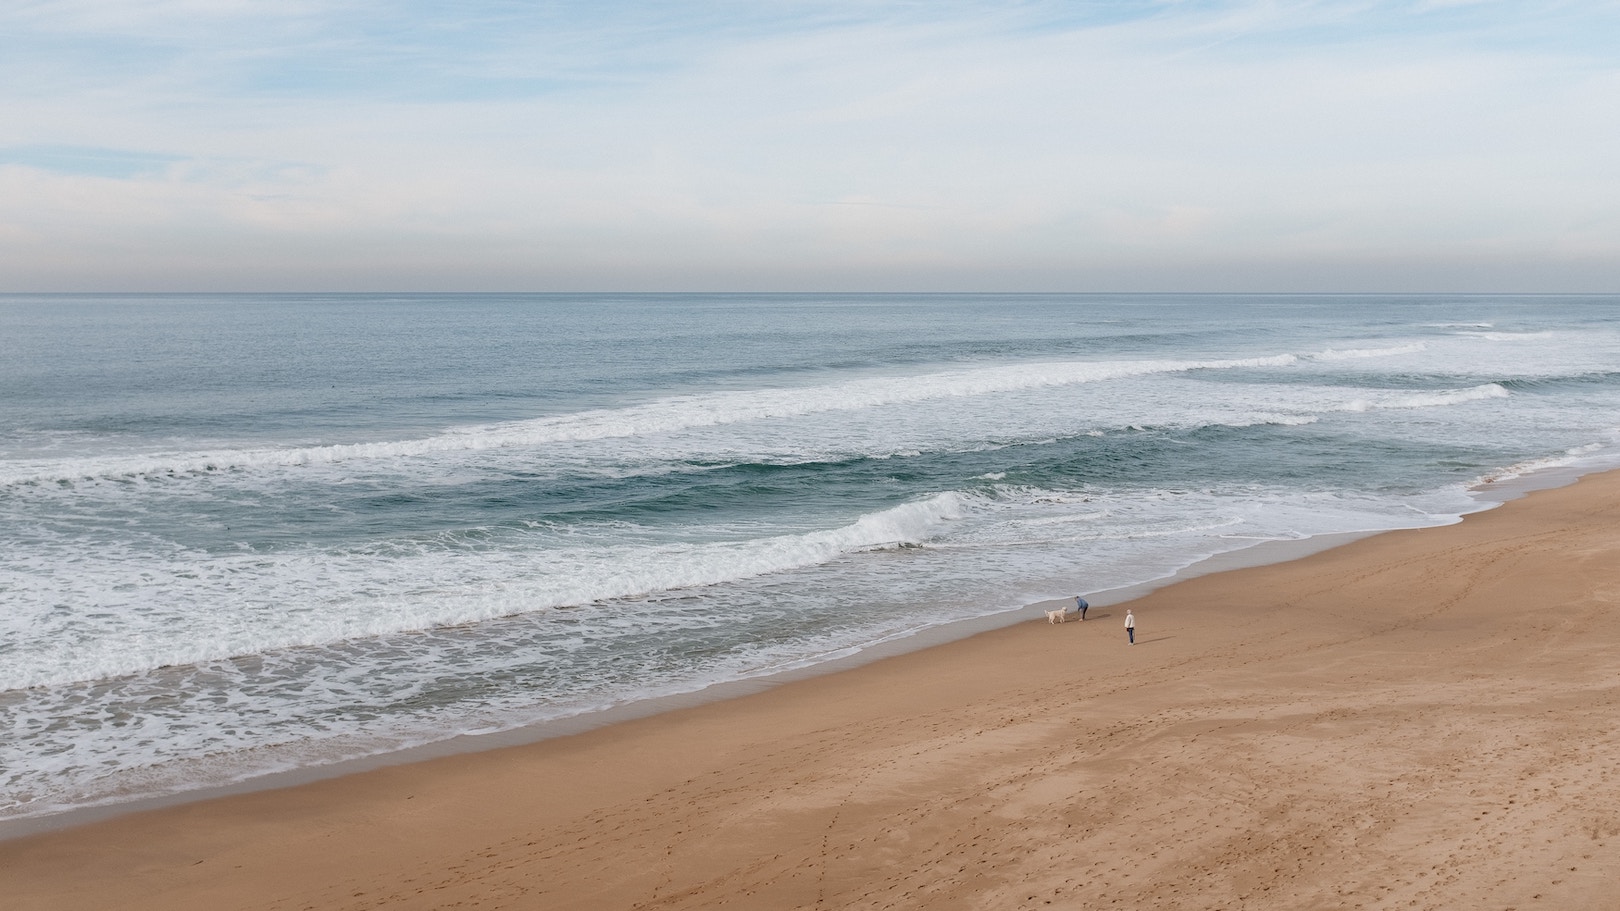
(1421, 719)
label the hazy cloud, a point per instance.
(189, 144)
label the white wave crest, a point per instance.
(191, 610)
(1430, 399)
(662, 416)
(1510, 336)
(1350, 354)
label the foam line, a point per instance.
(662, 416)
(1350, 354)
(1432, 399)
(454, 591)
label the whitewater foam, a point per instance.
(1353, 354)
(553, 509)
(1431, 400)
(663, 416)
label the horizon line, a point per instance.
(801, 293)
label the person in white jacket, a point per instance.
(1130, 627)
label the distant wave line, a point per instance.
(660, 416)
(698, 411)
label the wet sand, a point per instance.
(1420, 719)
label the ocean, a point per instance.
(247, 534)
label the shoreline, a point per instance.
(1261, 554)
(1420, 718)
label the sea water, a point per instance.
(241, 534)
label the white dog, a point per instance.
(1057, 616)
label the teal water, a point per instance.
(248, 533)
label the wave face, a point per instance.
(251, 533)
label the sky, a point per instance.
(841, 145)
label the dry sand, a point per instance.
(1421, 719)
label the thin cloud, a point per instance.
(119, 164)
(370, 144)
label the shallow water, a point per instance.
(260, 532)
